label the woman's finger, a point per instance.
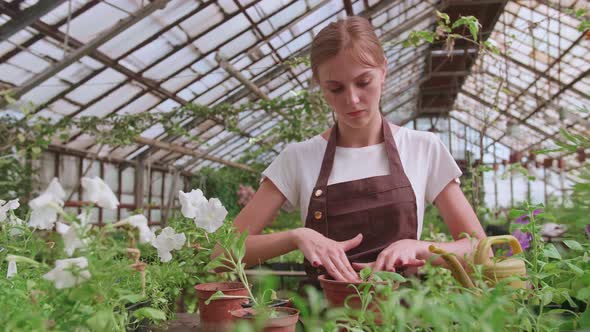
(332, 270)
(360, 266)
(390, 264)
(315, 261)
(415, 262)
(380, 262)
(348, 271)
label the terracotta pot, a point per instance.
(337, 291)
(219, 311)
(285, 321)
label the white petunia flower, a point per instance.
(15, 223)
(63, 275)
(71, 237)
(84, 218)
(190, 202)
(100, 193)
(44, 207)
(7, 206)
(140, 222)
(167, 241)
(210, 216)
(11, 268)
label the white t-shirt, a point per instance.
(426, 161)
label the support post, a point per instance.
(139, 183)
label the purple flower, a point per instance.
(524, 219)
(588, 230)
(524, 238)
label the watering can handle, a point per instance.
(484, 246)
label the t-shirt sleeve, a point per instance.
(442, 168)
(283, 174)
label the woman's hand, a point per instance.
(330, 254)
(405, 252)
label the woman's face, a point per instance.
(352, 90)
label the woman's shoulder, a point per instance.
(415, 137)
(310, 145)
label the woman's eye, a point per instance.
(336, 90)
(364, 83)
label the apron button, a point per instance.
(318, 193)
(317, 215)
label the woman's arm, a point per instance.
(460, 218)
(257, 214)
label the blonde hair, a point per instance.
(354, 35)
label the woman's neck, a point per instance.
(358, 137)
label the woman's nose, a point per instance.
(352, 97)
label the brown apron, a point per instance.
(382, 208)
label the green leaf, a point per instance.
(572, 244)
(132, 298)
(547, 297)
(574, 268)
(583, 294)
(584, 319)
(444, 17)
(551, 252)
(365, 273)
(102, 320)
(150, 313)
(471, 23)
(427, 36)
(385, 275)
(217, 295)
(514, 213)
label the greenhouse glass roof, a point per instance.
(77, 58)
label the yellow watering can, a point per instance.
(493, 270)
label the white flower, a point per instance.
(84, 218)
(63, 275)
(99, 193)
(44, 213)
(140, 222)
(210, 216)
(14, 223)
(5, 207)
(71, 237)
(551, 229)
(167, 241)
(11, 268)
(190, 202)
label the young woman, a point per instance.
(361, 186)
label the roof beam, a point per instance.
(24, 18)
(88, 47)
(223, 63)
(190, 152)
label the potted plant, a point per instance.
(340, 293)
(217, 300)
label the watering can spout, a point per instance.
(494, 270)
(455, 266)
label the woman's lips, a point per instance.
(356, 114)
